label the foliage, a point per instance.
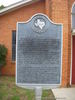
(9, 91)
(15, 98)
(48, 95)
(1, 7)
(3, 53)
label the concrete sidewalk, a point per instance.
(64, 93)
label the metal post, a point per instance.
(38, 93)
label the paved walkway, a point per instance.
(64, 93)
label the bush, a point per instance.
(3, 53)
(2, 7)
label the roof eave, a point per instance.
(16, 6)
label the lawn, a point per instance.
(9, 91)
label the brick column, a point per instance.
(60, 15)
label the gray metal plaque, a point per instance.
(39, 51)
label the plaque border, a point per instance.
(44, 86)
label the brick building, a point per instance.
(59, 11)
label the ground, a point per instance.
(64, 93)
(9, 91)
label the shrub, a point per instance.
(2, 7)
(3, 53)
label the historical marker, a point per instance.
(39, 52)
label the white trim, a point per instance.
(71, 64)
(72, 34)
(33, 86)
(72, 6)
(16, 6)
(61, 53)
(42, 85)
(73, 31)
(16, 51)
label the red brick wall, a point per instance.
(59, 11)
(8, 23)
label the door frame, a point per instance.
(73, 34)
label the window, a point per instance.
(13, 45)
(73, 17)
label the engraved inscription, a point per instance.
(38, 51)
(39, 56)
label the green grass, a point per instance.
(9, 91)
(48, 95)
